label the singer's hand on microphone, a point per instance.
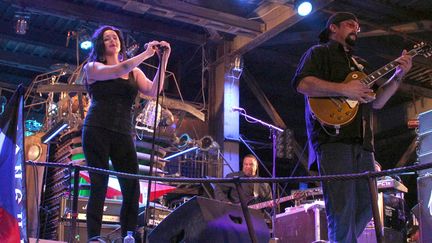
(151, 47)
(165, 47)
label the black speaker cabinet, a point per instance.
(206, 220)
(424, 192)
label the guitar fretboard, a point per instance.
(373, 77)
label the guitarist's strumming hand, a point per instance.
(356, 90)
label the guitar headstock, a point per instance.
(423, 49)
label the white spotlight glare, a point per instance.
(304, 8)
(85, 45)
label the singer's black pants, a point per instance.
(99, 146)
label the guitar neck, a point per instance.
(269, 203)
(373, 77)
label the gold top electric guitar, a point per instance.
(339, 111)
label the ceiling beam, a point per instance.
(36, 38)
(389, 10)
(416, 90)
(272, 112)
(380, 26)
(407, 28)
(417, 60)
(14, 78)
(404, 159)
(26, 62)
(192, 14)
(263, 100)
(292, 38)
(68, 10)
(287, 18)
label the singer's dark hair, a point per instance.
(97, 53)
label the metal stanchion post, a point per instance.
(75, 201)
(246, 213)
(375, 210)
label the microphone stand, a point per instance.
(152, 154)
(273, 132)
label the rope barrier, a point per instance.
(369, 175)
(295, 179)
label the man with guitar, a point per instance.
(253, 192)
(338, 120)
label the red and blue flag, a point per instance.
(12, 178)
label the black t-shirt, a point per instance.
(111, 104)
(332, 63)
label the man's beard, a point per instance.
(351, 39)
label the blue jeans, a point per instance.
(348, 203)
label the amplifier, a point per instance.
(157, 214)
(109, 232)
(425, 159)
(425, 122)
(306, 223)
(393, 210)
(111, 210)
(424, 139)
(424, 143)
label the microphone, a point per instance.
(235, 108)
(160, 47)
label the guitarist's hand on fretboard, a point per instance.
(356, 90)
(405, 64)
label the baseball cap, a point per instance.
(335, 19)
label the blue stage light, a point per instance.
(54, 131)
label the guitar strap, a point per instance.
(363, 111)
(359, 66)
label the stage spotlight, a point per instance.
(22, 21)
(54, 131)
(304, 7)
(85, 42)
(237, 67)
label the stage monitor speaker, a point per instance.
(424, 193)
(206, 220)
